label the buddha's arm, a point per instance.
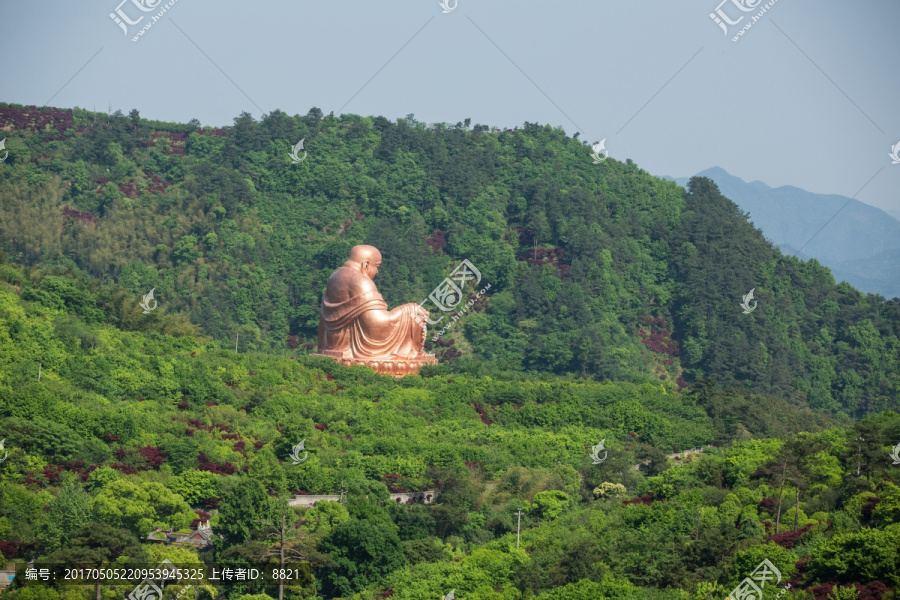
(381, 323)
(393, 318)
(385, 324)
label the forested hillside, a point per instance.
(118, 424)
(861, 247)
(600, 271)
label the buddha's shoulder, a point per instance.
(344, 273)
(350, 279)
(366, 285)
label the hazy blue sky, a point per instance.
(807, 97)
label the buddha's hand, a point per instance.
(421, 318)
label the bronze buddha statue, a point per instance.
(356, 328)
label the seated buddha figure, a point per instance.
(356, 327)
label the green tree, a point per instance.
(550, 504)
(99, 478)
(137, 507)
(866, 555)
(242, 509)
(266, 468)
(182, 452)
(324, 516)
(362, 552)
(185, 251)
(194, 486)
(365, 500)
(746, 561)
(608, 588)
(290, 543)
(67, 512)
(97, 545)
(868, 446)
(843, 593)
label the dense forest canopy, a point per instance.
(596, 270)
(613, 314)
(116, 433)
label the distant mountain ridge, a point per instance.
(861, 245)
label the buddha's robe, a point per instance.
(355, 322)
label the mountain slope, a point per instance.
(858, 244)
(601, 271)
(140, 426)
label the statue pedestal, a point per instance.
(392, 367)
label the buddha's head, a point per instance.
(368, 258)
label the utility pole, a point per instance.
(518, 528)
(236, 342)
(39, 372)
